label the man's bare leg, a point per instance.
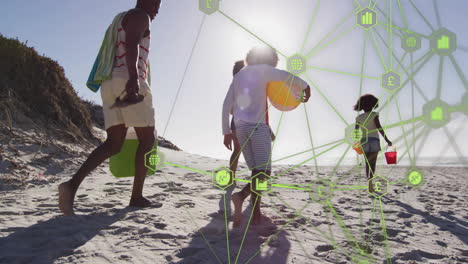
(112, 146)
(146, 142)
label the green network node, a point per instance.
(321, 191)
(391, 81)
(154, 160)
(414, 178)
(381, 186)
(222, 178)
(366, 18)
(436, 113)
(353, 135)
(297, 64)
(261, 184)
(208, 6)
(443, 42)
(411, 42)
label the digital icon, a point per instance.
(356, 135)
(353, 134)
(443, 42)
(415, 178)
(154, 159)
(296, 64)
(261, 185)
(391, 80)
(367, 18)
(223, 177)
(437, 114)
(411, 42)
(380, 186)
(208, 6)
(377, 186)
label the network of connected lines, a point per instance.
(374, 18)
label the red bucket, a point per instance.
(391, 157)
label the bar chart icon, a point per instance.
(367, 18)
(443, 42)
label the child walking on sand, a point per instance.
(369, 124)
(247, 99)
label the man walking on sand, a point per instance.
(129, 78)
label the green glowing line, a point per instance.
(403, 17)
(353, 74)
(290, 187)
(389, 28)
(401, 123)
(310, 138)
(402, 128)
(349, 186)
(374, 209)
(454, 145)
(338, 164)
(420, 14)
(300, 153)
(390, 35)
(426, 135)
(402, 59)
(332, 41)
(310, 25)
(406, 70)
(246, 229)
(384, 227)
(322, 233)
(321, 153)
(347, 189)
(326, 99)
(227, 230)
(396, 182)
(188, 168)
(192, 219)
(330, 33)
(459, 71)
(274, 236)
(241, 180)
(439, 77)
(343, 227)
(413, 112)
(250, 32)
(377, 49)
(436, 9)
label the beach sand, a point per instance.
(428, 224)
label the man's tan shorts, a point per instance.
(137, 115)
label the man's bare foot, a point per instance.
(237, 200)
(140, 202)
(66, 198)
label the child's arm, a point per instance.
(381, 130)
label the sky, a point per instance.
(193, 53)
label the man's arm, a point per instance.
(227, 107)
(136, 25)
(380, 129)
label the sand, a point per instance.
(428, 224)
